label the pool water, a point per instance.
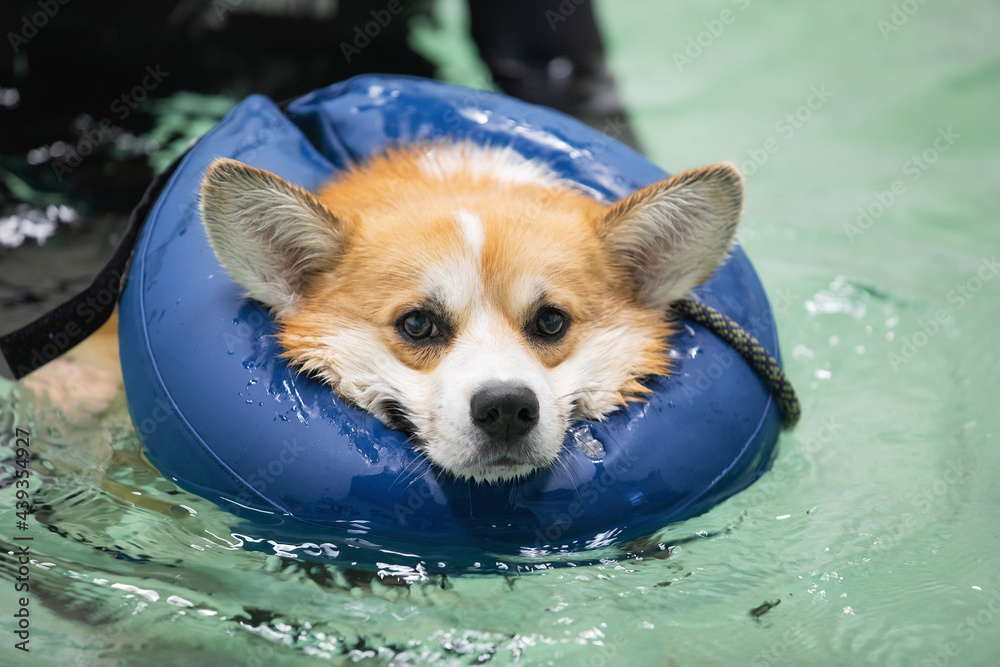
(868, 133)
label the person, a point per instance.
(551, 54)
(91, 62)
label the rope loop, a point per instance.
(766, 366)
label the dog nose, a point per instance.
(504, 411)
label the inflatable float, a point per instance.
(224, 417)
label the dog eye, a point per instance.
(418, 325)
(551, 322)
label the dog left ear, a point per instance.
(268, 234)
(670, 236)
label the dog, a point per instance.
(468, 295)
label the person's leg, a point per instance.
(540, 55)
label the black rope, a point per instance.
(766, 366)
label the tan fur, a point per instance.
(485, 240)
(388, 247)
(87, 378)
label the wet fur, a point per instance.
(483, 238)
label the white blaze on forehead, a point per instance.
(472, 231)
(454, 280)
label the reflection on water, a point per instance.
(121, 553)
(872, 540)
(32, 223)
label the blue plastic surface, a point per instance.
(224, 417)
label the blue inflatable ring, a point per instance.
(224, 417)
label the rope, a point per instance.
(766, 366)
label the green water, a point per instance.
(878, 529)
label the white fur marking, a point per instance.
(472, 230)
(485, 353)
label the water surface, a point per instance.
(869, 138)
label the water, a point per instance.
(873, 540)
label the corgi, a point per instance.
(470, 296)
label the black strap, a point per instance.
(56, 332)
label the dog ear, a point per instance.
(268, 234)
(670, 236)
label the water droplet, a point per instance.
(583, 439)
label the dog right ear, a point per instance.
(670, 236)
(268, 234)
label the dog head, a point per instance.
(469, 295)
